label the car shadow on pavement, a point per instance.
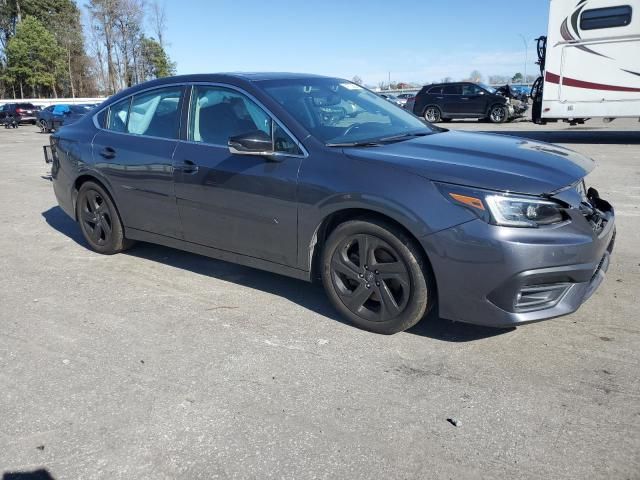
(41, 474)
(576, 135)
(308, 295)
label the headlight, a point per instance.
(505, 209)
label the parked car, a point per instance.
(55, 116)
(18, 112)
(446, 101)
(392, 98)
(394, 215)
(403, 97)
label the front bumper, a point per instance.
(504, 277)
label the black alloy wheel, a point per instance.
(99, 220)
(375, 276)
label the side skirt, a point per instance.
(198, 249)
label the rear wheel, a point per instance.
(432, 114)
(498, 114)
(43, 126)
(376, 276)
(99, 220)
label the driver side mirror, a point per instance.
(255, 143)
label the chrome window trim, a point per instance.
(305, 152)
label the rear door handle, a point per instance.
(108, 153)
(188, 167)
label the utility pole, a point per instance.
(526, 55)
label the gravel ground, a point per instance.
(163, 364)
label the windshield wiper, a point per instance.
(404, 136)
(368, 143)
(379, 141)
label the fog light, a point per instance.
(538, 297)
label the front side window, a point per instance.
(605, 17)
(118, 116)
(156, 113)
(470, 90)
(218, 113)
(337, 112)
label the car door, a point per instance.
(234, 202)
(473, 99)
(451, 104)
(135, 153)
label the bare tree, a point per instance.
(159, 21)
(475, 76)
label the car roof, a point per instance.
(251, 77)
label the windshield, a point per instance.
(339, 112)
(487, 88)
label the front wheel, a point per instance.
(43, 126)
(99, 220)
(498, 114)
(432, 114)
(376, 276)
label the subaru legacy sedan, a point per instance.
(394, 215)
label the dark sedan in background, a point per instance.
(54, 116)
(394, 215)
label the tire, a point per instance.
(389, 292)
(99, 220)
(498, 114)
(432, 114)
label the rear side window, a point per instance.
(605, 17)
(435, 91)
(156, 113)
(118, 116)
(453, 90)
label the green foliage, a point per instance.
(155, 61)
(34, 57)
(517, 78)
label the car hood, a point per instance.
(488, 161)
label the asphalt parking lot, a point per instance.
(163, 364)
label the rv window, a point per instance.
(605, 17)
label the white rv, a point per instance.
(590, 62)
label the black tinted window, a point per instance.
(156, 113)
(435, 91)
(452, 90)
(605, 17)
(25, 106)
(470, 90)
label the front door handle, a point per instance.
(108, 153)
(188, 167)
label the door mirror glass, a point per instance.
(255, 142)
